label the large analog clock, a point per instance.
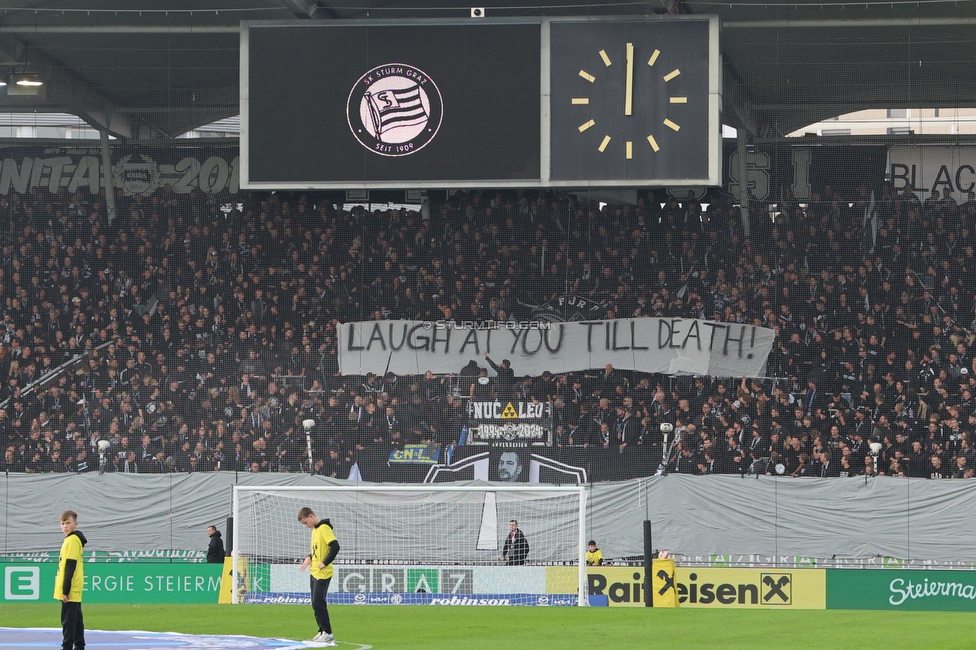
(629, 101)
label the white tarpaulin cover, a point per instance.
(672, 346)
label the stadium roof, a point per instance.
(158, 68)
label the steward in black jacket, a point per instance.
(215, 552)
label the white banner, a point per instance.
(928, 168)
(671, 346)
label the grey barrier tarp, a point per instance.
(818, 518)
(704, 515)
(121, 512)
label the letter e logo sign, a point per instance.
(22, 583)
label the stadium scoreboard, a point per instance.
(481, 103)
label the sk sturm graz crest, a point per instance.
(394, 109)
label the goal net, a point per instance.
(436, 544)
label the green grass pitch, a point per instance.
(534, 628)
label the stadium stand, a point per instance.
(197, 332)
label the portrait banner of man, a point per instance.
(509, 465)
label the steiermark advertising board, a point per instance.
(900, 589)
(116, 583)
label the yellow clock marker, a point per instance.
(653, 143)
(671, 75)
(630, 150)
(606, 59)
(651, 61)
(671, 125)
(577, 101)
(586, 125)
(586, 75)
(629, 93)
(679, 100)
(603, 145)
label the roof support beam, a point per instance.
(308, 9)
(839, 108)
(301, 8)
(65, 87)
(119, 29)
(858, 23)
(738, 105)
(662, 6)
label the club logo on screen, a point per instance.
(395, 109)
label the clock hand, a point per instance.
(629, 94)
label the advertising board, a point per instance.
(901, 589)
(130, 582)
(716, 588)
(365, 584)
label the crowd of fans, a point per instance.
(201, 332)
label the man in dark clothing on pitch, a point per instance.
(215, 552)
(516, 546)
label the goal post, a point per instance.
(415, 544)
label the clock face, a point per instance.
(629, 101)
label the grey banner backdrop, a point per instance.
(820, 518)
(214, 167)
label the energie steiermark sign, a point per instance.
(899, 589)
(116, 583)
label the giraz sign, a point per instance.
(510, 424)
